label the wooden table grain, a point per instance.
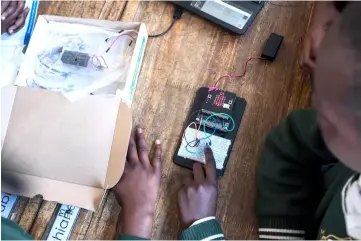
(194, 54)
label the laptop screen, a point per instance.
(235, 16)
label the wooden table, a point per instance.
(193, 54)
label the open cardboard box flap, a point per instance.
(68, 152)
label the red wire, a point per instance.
(119, 37)
(241, 75)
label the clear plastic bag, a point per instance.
(99, 60)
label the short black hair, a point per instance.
(351, 33)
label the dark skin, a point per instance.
(13, 16)
(198, 197)
(137, 190)
(324, 15)
(336, 72)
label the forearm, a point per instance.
(138, 224)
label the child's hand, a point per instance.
(198, 198)
(137, 190)
(13, 16)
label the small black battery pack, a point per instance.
(75, 58)
(272, 46)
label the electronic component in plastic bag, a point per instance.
(75, 58)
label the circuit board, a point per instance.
(219, 101)
(220, 123)
(219, 147)
(221, 112)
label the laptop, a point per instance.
(235, 16)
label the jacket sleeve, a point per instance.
(290, 177)
(208, 229)
(12, 231)
(204, 229)
(128, 237)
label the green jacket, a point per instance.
(300, 183)
(209, 229)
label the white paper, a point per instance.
(18, 37)
(11, 52)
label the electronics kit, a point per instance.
(216, 114)
(78, 60)
(88, 61)
(214, 121)
(215, 118)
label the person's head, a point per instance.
(338, 87)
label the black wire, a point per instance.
(123, 10)
(166, 31)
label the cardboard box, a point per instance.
(69, 152)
